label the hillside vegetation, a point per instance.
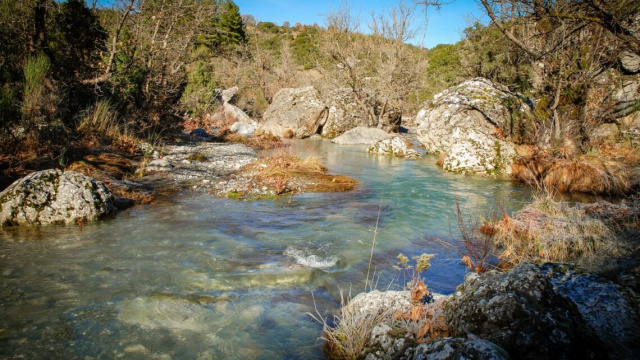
(75, 79)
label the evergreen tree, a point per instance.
(231, 26)
(226, 29)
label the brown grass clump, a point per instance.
(587, 174)
(103, 166)
(260, 141)
(351, 334)
(285, 172)
(625, 154)
(547, 230)
(440, 162)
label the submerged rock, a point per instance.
(474, 124)
(55, 197)
(521, 312)
(395, 146)
(361, 136)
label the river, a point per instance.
(197, 277)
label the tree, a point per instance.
(567, 43)
(231, 26)
(380, 69)
(76, 39)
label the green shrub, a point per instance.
(268, 27)
(304, 50)
(199, 94)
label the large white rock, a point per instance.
(346, 113)
(232, 112)
(54, 197)
(299, 111)
(243, 129)
(395, 146)
(487, 156)
(472, 124)
(302, 112)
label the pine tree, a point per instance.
(230, 25)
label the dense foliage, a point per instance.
(152, 62)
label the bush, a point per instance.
(199, 96)
(40, 100)
(305, 51)
(268, 27)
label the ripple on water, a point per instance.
(305, 258)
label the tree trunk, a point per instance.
(38, 42)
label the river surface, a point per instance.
(195, 277)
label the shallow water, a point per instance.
(195, 277)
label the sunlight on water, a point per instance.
(195, 277)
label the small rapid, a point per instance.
(196, 277)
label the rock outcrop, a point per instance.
(302, 112)
(610, 309)
(361, 135)
(55, 197)
(474, 124)
(197, 162)
(346, 113)
(521, 312)
(395, 146)
(299, 111)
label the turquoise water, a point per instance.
(195, 277)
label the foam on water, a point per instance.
(303, 257)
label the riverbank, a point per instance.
(564, 285)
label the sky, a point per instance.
(443, 27)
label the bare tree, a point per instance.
(381, 69)
(569, 43)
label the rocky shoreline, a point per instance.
(546, 311)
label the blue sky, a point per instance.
(444, 27)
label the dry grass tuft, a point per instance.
(260, 140)
(587, 174)
(100, 126)
(103, 166)
(286, 172)
(440, 161)
(547, 230)
(350, 335)
(476, 238)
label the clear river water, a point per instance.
(197, 277)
